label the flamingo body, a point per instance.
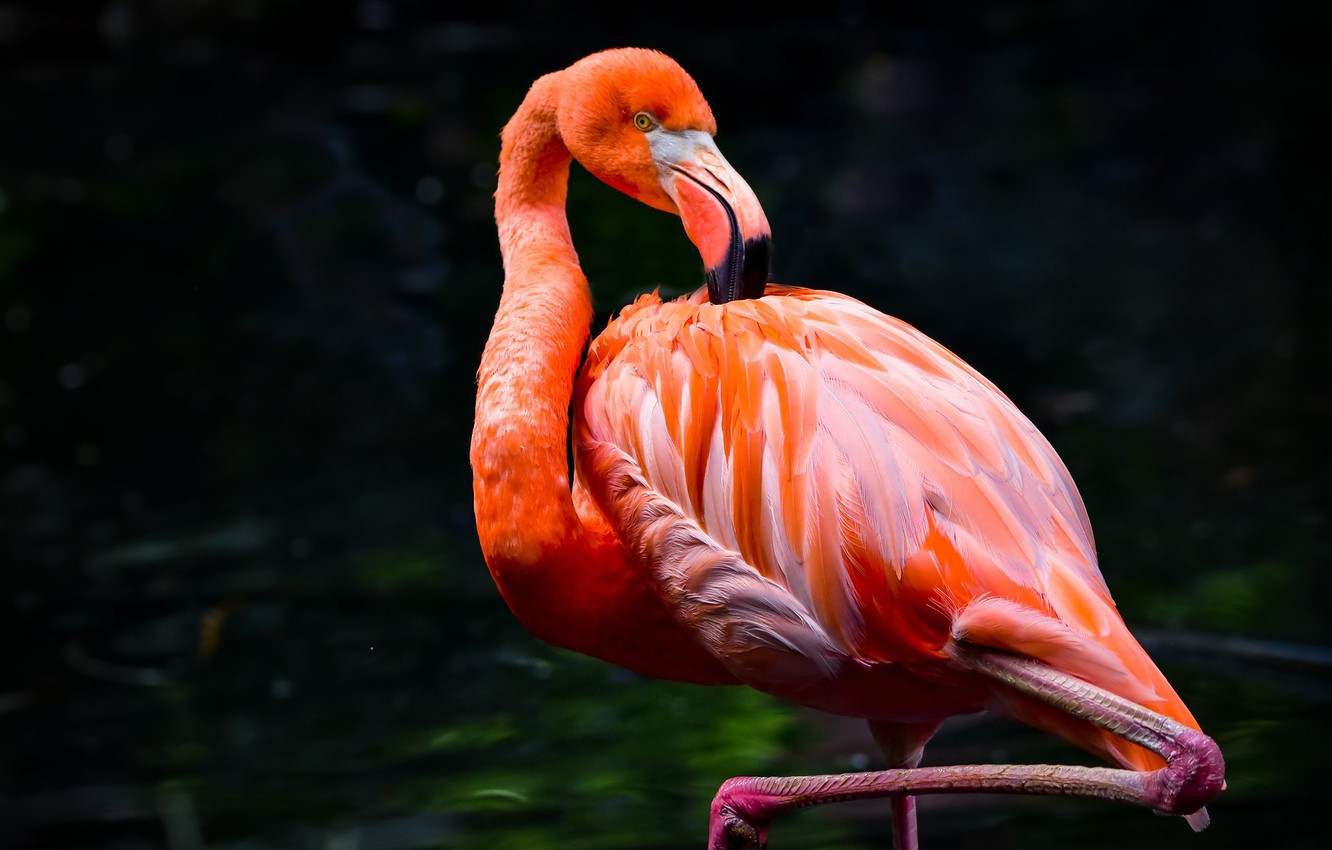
(874, 497)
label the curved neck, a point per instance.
(520, 440)
(558, 565)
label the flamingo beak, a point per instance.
(721, 214)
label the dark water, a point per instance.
(246, 269)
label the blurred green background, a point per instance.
(247, 265)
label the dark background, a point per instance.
(247, 265)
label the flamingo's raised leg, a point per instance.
(1193, 775)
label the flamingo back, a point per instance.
(894, 498)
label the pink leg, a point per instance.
(902, 745)
(1194, 771)
(905, 836)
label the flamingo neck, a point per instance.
(520, 444)
(558, 565)
(520, 469)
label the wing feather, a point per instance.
(834, 449)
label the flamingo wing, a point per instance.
(826, 443)
(833, 485)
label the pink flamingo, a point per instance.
(786, 488)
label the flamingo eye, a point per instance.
(644, 121)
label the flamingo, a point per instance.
(785, 488)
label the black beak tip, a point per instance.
(744, 274)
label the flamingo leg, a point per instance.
(905, 835)
(1194, 771)
(903, 744)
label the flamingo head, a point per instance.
(637, 120)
